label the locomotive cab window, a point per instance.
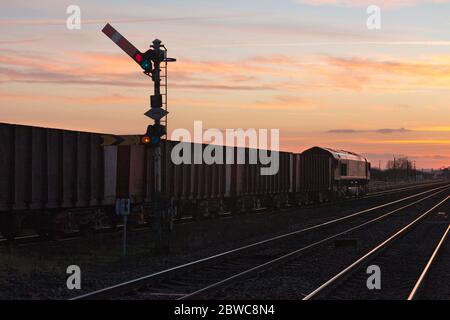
(343, 169)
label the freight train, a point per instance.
(53, 181)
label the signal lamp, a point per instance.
(138, 57)
(146, 140)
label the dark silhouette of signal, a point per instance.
(150, 61)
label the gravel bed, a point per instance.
(299, 277)
(38, 271)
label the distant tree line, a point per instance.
(444, 173)
(401, 169)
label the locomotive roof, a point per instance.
(337, 154)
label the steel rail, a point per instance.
(161, 275)
(419, 284)
(287, 257)
(372, 252)
(407, 188)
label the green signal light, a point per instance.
(146, 65)
(155, 140)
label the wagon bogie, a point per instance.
(11, 224)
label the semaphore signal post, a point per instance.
(154, 63)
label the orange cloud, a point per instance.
(435, 129)
(87, 68)
(415, 141)
(276, 72)
(93, 100)
(390, 75)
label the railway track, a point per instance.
(420, 283)
(200, 278)
(36, 239)
(400, 258)
(394, 190)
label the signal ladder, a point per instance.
(163, 76)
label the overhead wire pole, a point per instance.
(415, 171)
(395, 170)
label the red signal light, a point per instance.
(138, 57)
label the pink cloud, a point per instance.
(382, 3)
(263, 73)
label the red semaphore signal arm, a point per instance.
(123, 43)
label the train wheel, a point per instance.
(87, 230)
(44, 224)
(179, 211)
(212, 212)
(169, 215)
(11, 227)
(43, 234)
(243, 208)
(55, 229)
(197, 214)
(112, 223)
(9, 235)
(171, 220)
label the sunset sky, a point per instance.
(310, 68)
